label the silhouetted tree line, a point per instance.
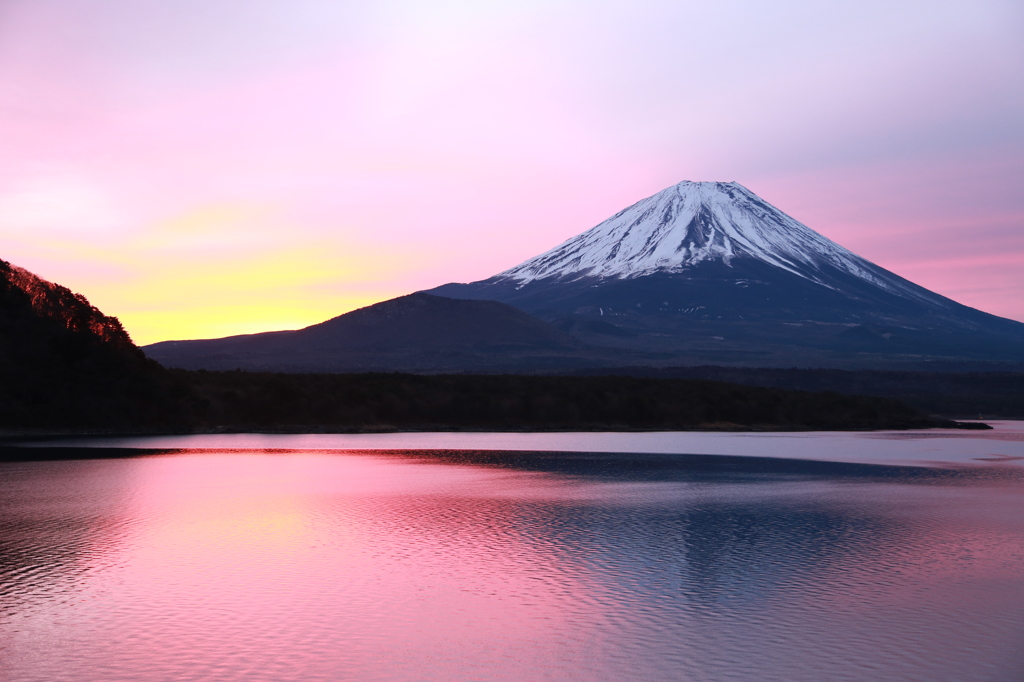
(992, 394)
(66, 381)
(406, 401)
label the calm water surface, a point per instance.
(342, 564)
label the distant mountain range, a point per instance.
(699, 273)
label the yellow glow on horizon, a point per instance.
(222, 270)
(289, 289)
(215, 321)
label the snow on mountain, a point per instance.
(708, 272)
(693, 222)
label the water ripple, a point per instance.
(506, 566)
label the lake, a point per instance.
(678, 556)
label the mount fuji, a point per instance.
(710, 272)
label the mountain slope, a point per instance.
(418, 332)
(711, 272)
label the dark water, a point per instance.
(426, 565)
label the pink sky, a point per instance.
(209, 167)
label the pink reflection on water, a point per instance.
(230, 549)
(367, 565)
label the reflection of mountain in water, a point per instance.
(733, 566)
(741, 530)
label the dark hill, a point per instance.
(419, 332)
(63, 363)
(48, 301)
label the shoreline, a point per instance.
(999, 448)
(8, 435)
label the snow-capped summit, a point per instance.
(711, 272)
(687, 224)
